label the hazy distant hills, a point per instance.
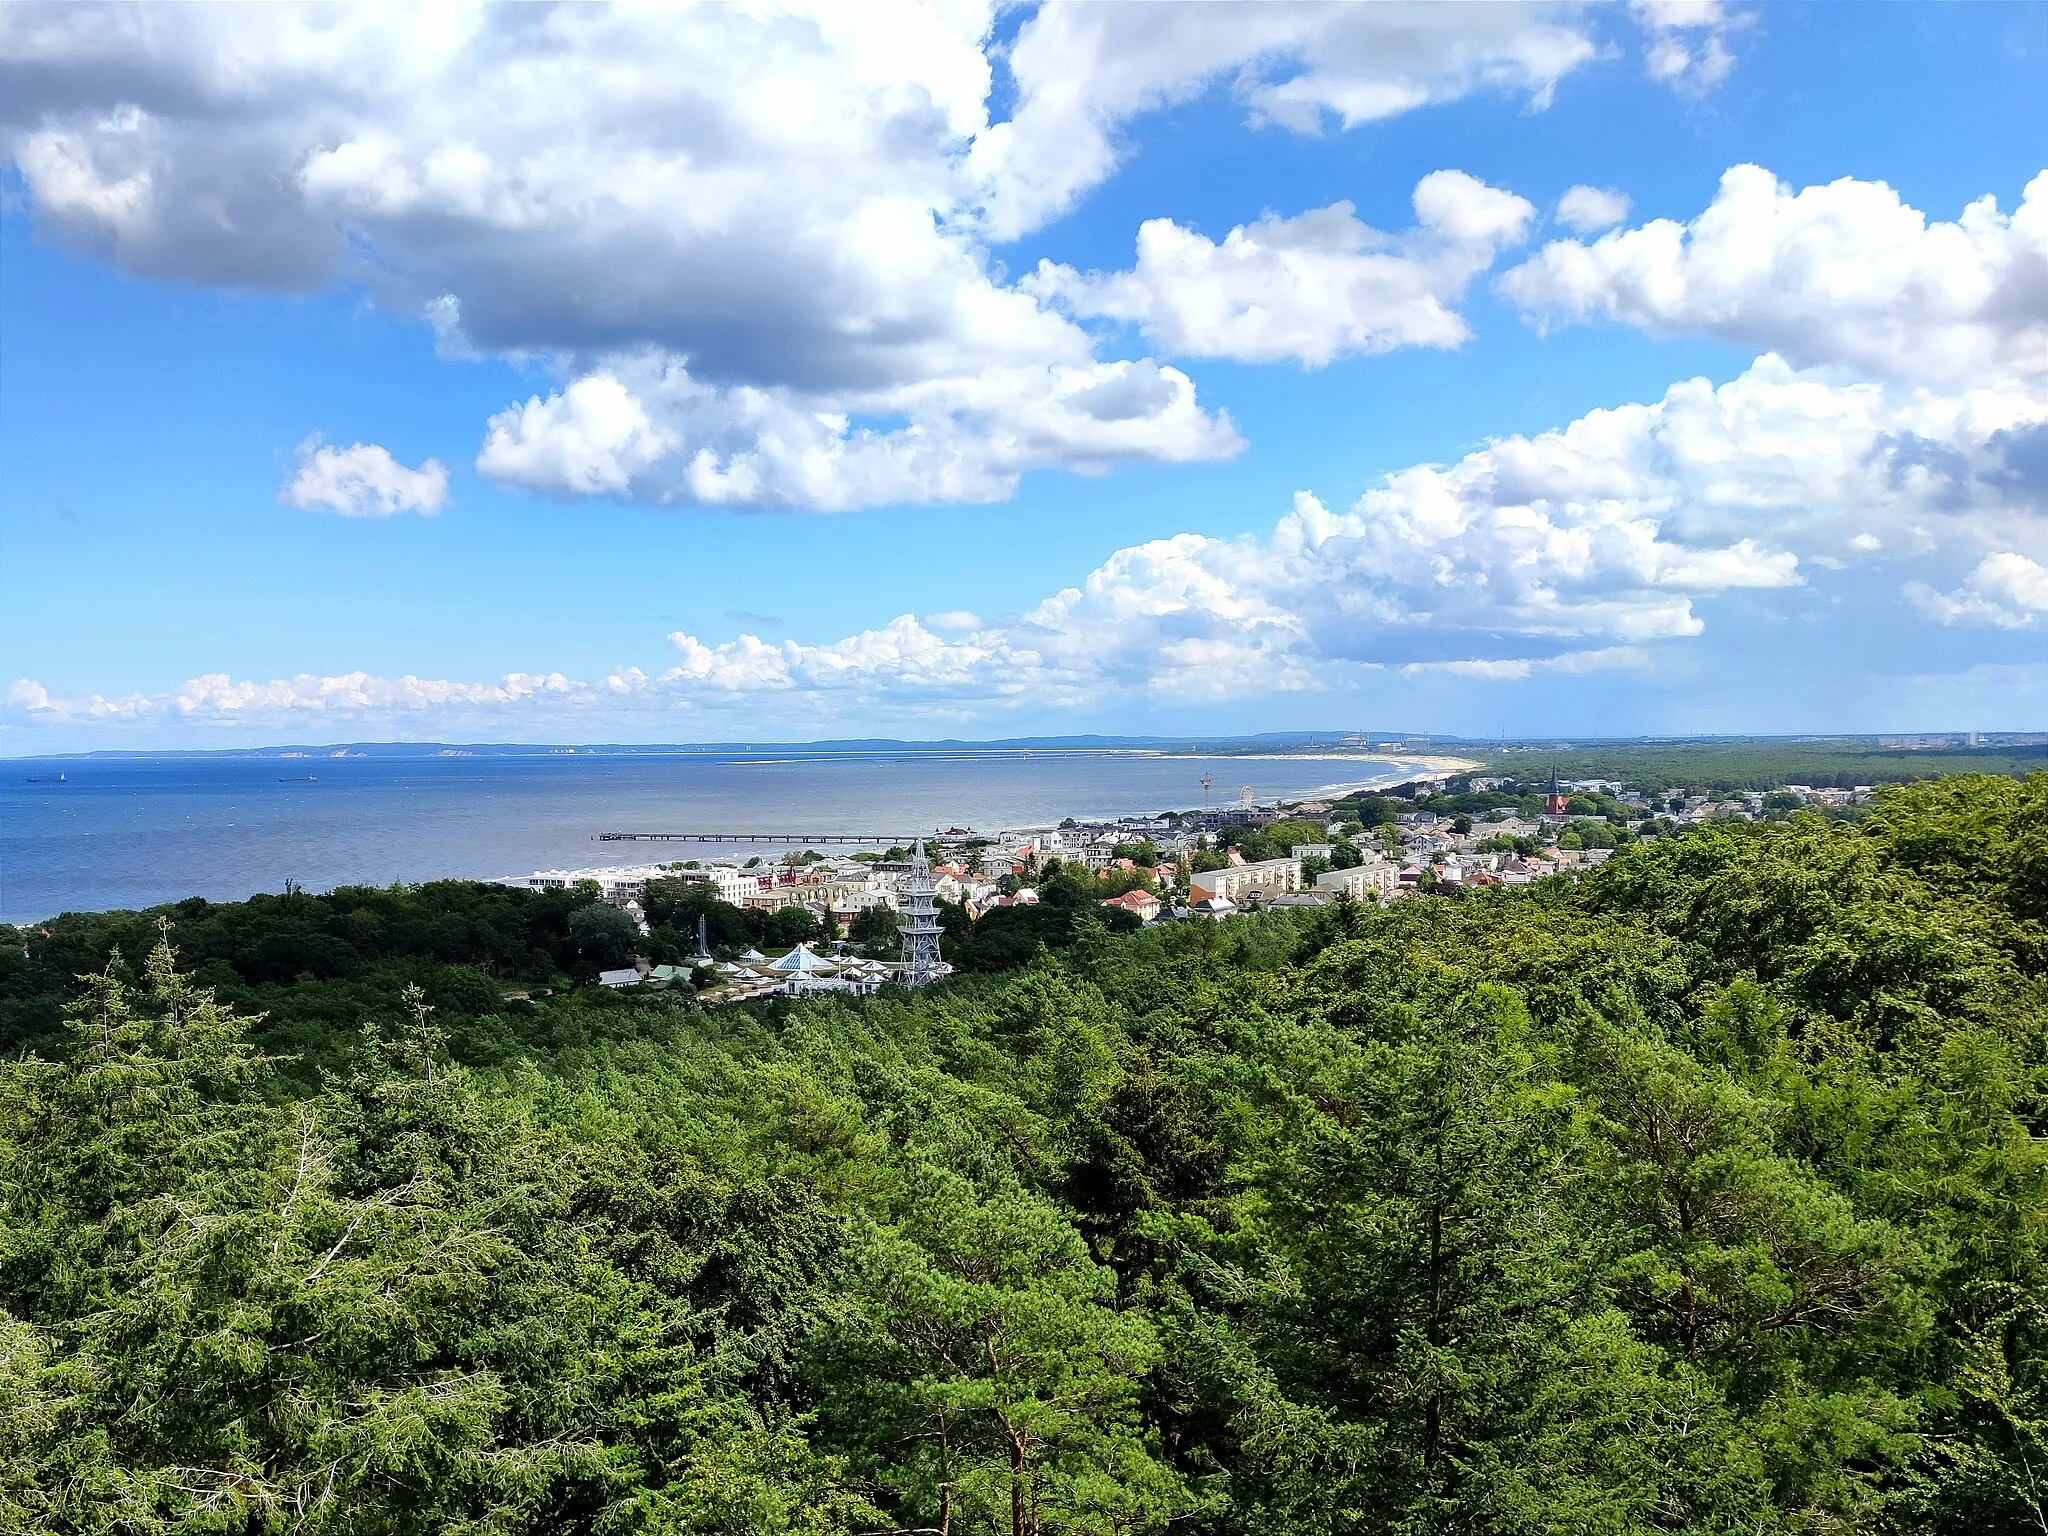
(1267, 741)
(1222, 746)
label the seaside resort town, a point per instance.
(1169, 867)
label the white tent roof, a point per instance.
(799, 959)
(753, 955)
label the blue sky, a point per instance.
(741, 375)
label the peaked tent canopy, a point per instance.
(801, 960)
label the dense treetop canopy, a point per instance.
(1706, 1193)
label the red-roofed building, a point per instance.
(1143, 904)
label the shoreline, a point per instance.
(1429, 768)
(29, 903)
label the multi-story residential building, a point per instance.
(836, 894)
(1374, 880)
(1247, 884)
(1072, 842)
(731, 882)
(618, 884)
(1099, 854)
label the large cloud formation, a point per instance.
(1083, 70)
(775, 285)
(643, 427)
(1571, 550)
(753, 242)
(1312, 288)
(1849, 280)
(1846, 274)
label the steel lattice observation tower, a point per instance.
(920, 925)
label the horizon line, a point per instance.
(1089, 741)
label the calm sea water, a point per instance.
(134, 832)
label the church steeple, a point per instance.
(1554, 803)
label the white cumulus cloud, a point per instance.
(2006, 589)
(1586, 209)
(363, 480)
(1083, 70)
(745, 238)
(642, 427)
(1312, 288)
(1845, 274)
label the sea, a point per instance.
(98, 833)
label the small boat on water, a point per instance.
(304, 778)
(47, 778)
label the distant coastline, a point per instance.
(1422, 764)
(132, 831)
(1271, 745)
(1265, 745)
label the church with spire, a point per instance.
(1555, 802)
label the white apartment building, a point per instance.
(1374, 880)
(732, 883)
(1244, 884)
(619, 884)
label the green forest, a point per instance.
(1705, 1193)
(1720, 768)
